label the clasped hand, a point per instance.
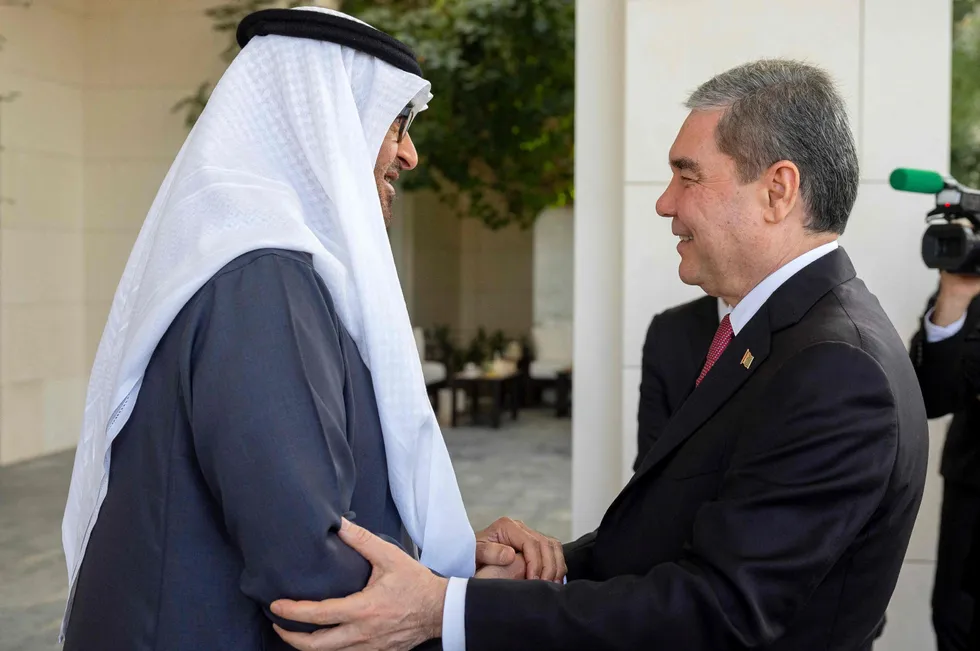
(510, 549)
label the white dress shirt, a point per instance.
(756, 298)
(723, 309)
(454, 610)
(936, 333)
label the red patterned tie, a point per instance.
(723, 335)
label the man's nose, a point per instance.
(406, 153)
(665, 204)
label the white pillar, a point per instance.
(599, 176)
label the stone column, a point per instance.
(599, 167)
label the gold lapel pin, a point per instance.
(747, 359)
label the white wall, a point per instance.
(42, 366)
(892, 61)
(554, 266)
(495, 279)
(434, 298)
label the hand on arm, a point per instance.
(400, 608)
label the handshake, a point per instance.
(509, 549)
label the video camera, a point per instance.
(947, 244)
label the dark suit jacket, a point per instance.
(773, 512)
(673, 354)
(949, 376)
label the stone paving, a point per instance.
(33, 577)
(522, 470)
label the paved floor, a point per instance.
(522, 470)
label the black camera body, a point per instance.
(951, 241)
(952, 247)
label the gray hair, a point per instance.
(777, 110)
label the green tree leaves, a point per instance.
(965, 118)
(497, 142)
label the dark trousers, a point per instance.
(973, 585)
(952, 605)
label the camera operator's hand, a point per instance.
(956, 291)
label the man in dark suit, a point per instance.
(775, 508)
(946, 355)
(673, 353)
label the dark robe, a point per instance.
(255, 430)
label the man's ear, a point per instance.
(781, 183)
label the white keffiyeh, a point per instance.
(283, 157)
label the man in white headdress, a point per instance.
(257, 381)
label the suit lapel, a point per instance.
(785, 307)
(728, 374)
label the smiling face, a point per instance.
(719, 220)
(393, 158)
(764, 169)
(733, 232)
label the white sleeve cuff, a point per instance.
(935, 333)
(454, 616)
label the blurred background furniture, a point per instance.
(552, 354)
(498, 387)
(434, 373)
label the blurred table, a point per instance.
(497, 387)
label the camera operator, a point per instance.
(946, 356)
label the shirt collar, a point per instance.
(755, 299)
(723, 309)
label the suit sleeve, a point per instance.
(949, 370)
(799, 490)
(578, 557)
(265, 389)
(653, 412)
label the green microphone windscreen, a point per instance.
(924, 181)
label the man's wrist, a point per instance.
(432, 614)
(949, 310)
